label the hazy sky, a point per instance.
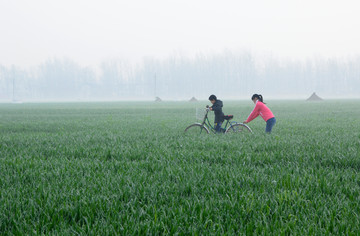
(89, 31)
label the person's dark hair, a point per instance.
(258, 96)
(212, 97)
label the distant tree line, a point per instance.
(230, 75)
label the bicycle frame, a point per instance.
(208, 125)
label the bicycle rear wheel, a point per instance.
(196, 129)
(238, 128)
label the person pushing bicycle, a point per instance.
(262, 110)
(219, 115)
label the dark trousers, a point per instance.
(269, 124)
(218, 128)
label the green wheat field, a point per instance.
(128, 168)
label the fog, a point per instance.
(120, 50)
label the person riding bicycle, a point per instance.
(219, 115)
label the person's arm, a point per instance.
(253, 114)
(215, 107)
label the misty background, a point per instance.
(120, 50)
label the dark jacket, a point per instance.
(217, 108)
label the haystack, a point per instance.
(314, 97)
(157, 99)
(193, 99)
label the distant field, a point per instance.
(128, 168)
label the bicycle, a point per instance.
(205, 127)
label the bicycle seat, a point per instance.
(228, 117)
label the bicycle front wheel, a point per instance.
(196, 129)
(238, 128)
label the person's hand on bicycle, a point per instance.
(244, 122)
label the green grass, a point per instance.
(128, 168)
